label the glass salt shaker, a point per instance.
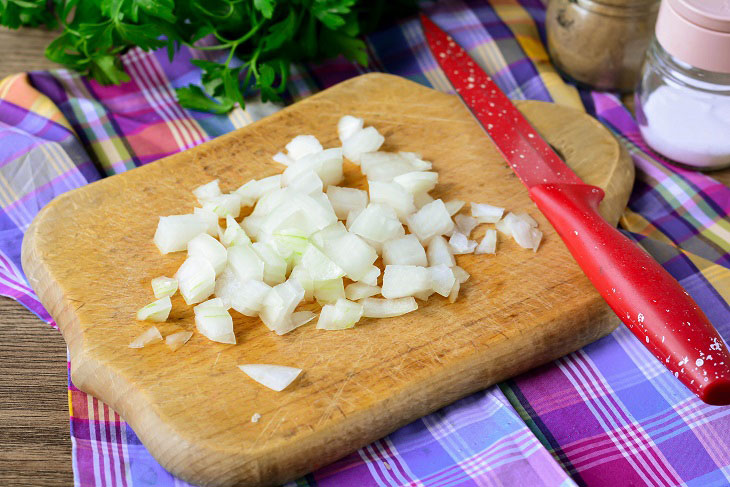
(600, 43)
(683, 98)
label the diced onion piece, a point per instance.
(274, 265)
(279, 305)
(347, 126)
(488, 245)
(352, 216)
(405, 280)
(486, 213)
(210, 218)
(224, 205)
(465, 224)
(439, 252)
(246, 297)
(253, 190)
(359, 290)
(460, 244)
(416, 161)
(329, 291)
(417, 181)
(503, 227)
(245, 262)
(371, 277)
(214, 322)
(151, 335)
(174, 232)
(319, 266)
(394, 196)
(349, 252)
(345, 200)
(422, 199)
(305, 280)
(251, 298)
(361, 142)
(207, 191)
(300, 318)
(526, 218)
(156, 311)
(431, 220)
(406, 250)
(337, 229)
(424, 295)
(164, 286)
(303, 145)
(461, 275)
(442, 279)
(377, 224)
(234, 234)
(454, 206)
(282, 158)
(388, 308)
(384, 166)
(342, 315)
(210, 249)
(327, 164)
(290, 244)
(307, 182)
(196, 279)
(275, 377)
(454, 292)
(520, 230)
(176, 340)
(536, 238)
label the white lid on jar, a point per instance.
(696, 32)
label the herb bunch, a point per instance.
(259, 38)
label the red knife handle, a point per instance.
(657, 310)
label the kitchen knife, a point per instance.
(648, 300)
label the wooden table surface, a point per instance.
(35, 448)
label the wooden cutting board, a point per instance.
(89, 255)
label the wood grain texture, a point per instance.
(89, 255)
(35, 448)
(23, 50)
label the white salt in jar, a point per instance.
(683, 98)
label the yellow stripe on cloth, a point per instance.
(525, 31)
(17, 90)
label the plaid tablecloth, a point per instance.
(608, 415)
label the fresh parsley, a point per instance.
(259, 39)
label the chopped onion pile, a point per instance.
(304, 237)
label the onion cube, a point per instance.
(279, 304)
(208, 248)
(164, 286)
(486, 213)
(406, 250)
(207, 191)
(439, 252)
(388, 308)
(340, 316)
(156, 311)
(245, 262)
(431, 220)
(405, 280)
(394, 196)
(275, 377)
(174, 232)
(303, 145)
(214, 321)
(359, 290)
(442, 279)
(196, 279)
(345, 200)
(488, 245)
(150, 335)
(361, 142)
(347, 126)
